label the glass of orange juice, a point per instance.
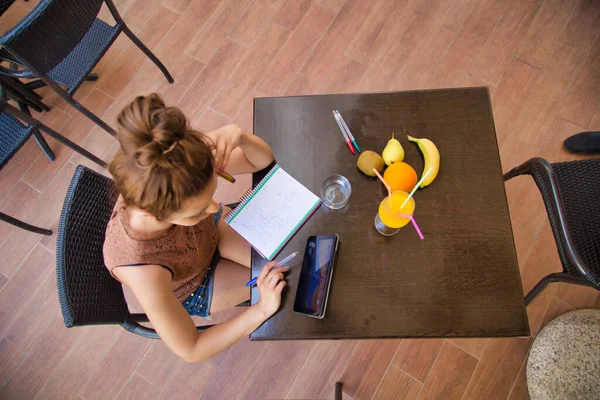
(387, 220)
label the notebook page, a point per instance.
(274, 213)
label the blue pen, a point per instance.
(279, 264)
(348, 131)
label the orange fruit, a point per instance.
(400, 176)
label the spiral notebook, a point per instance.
(271, 213)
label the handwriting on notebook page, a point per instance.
(274, 212)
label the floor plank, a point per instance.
(396, 384)
(215, 74)
(236, 371)
(475, 347)
(291, 13)
(184, 30)
(278, 370)
(584, 98)
(502, 359)
(337, 38)
(374, 34)
(465, 48)
(10, 359)
(295, 52)
(74, 370)
(367, 366)
(132, 58)
(138, 388)
(519, 390)
(35, 316)
(495, 58)
(510, 96)
(450, 374)
(425, 59)
(188, 381)
(322, 369)
(545, 29)
(158, 364)
(252, 24)
(250, 70)
(113, 373)
(416, 356)
(25, 280)
(216, 28)
(38, 366)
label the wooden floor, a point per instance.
(541, 60)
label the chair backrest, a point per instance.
(88, 293)
(579, 185)
(50, 32)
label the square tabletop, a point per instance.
(462, 280)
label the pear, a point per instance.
(393, 151)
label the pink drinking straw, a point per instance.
(389, 189)
(412, 219)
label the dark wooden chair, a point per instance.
(571, 194)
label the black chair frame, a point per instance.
(37, 125)
(88, 294)
(575, 270)
(24, 225)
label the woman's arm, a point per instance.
(151, 285)
(240, 152)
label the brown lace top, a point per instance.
(185, 251)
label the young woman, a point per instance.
(166, 240)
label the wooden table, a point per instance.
(462, 280)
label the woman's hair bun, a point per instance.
(162, 161)
(150, 132)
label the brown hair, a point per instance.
(162, 162)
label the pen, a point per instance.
(279, 264)
(346, 138)
(226, 176)
(350, 135)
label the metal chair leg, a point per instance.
(28, 96)
(91, 78)
(91, 115)
(44, 145)
(37, 84)
(556, 277)
(148, 53)
(338, 391)
(37, 135)
(73, 146)
(52, 133)
(21, 100)
(24, 225)
(80, 107)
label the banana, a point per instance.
(432, 159)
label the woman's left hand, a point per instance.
(225, 140)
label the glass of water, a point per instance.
(335, 191)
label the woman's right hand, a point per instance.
(270, 283)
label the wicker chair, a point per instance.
(60, 42)
(571, 193)
(88, 294)
(13, 134)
